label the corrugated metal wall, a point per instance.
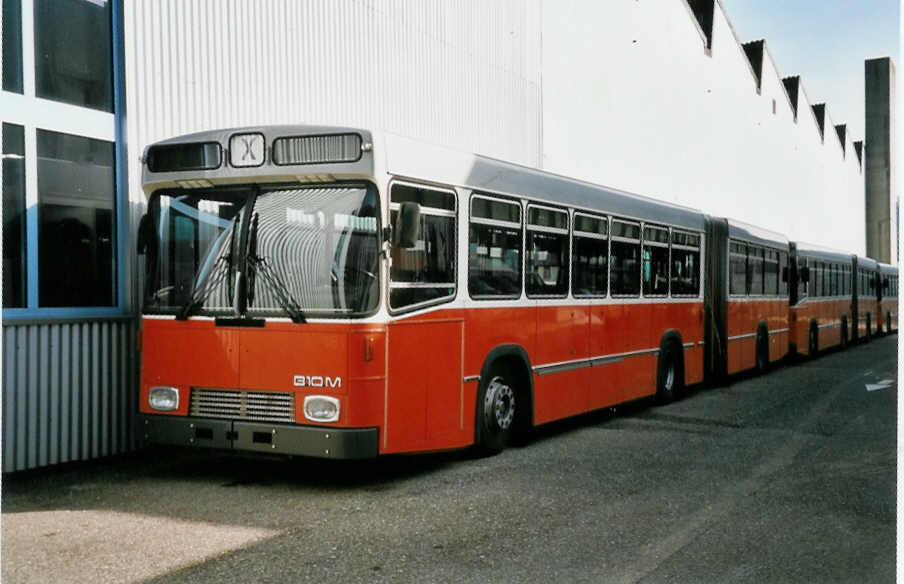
(460, 73)
(69, 391)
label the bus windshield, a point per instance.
(304, 250)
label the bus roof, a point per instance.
(867, 263)
(757, 235)
(823, 253)
(888, 268)
(413, 159)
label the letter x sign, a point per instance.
(246, 150)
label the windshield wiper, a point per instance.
(211, 279)
(258, 265)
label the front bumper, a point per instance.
(315, 441)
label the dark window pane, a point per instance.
(685, 272)
(688, 239)
(494, 261)
(590, 266)
(628, 230)
(14, 257)
(737, 277)
(547, 218)
(425, 197)
(625, 275)
(755, 270)
(547, 264)
(656, 234)
(783, 273)
(496, 210)
(819, 289)
(655, 269)
(12, 45)
(771, 273)
(585, 224)
(73, 52)
(176, 157)
(76, 214)
(803, 284)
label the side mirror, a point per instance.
(407, 226)
(147, 237)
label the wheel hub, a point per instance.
(499, 404)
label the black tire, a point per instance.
(844, 333)
(497, 405)
(762, 351)
(670, 374)
(814, 340)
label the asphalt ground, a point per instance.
(788, 477)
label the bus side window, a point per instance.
(494, 248)
(426, 272)
(819, 288)
(737, 279)
(655, 261)
(547, 252)
(783, 274)
(804, 277)
(771, 277)
(685, 272)
(624, 277)
(755, 270)
(590, 242)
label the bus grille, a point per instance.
(263, 406)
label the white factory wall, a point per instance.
(461, 73)
(631, 100)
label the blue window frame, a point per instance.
(116, 303)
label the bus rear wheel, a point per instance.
(670, 374)
(496, 410)
(762, 351)
(814, 340)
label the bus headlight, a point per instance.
(321, 408)
(163, 398)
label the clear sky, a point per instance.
(826, 43)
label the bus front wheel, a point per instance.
(496, 407)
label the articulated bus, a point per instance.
(339, 293)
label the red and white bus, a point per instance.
(822, 298)
(339, 293)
